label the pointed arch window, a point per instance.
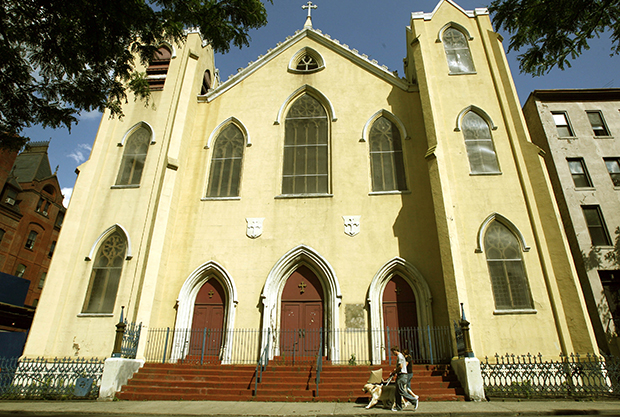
(503, 252)
(386, 156)
(306, 148)
(134, 157)
(225, 173)
(457, 52)
(106, 275)
(158, 68)
(479, 144)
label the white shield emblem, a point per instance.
(351, 225)
(255, 227)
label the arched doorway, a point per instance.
(302, 314)
(400, 318)
(208, 320)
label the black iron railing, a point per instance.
(532, 376)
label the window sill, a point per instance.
(286, 196)
(125, 186)
(474, 174)
(463, 73)
(393, 192)
(219, 198)
(94, 315)
(585, 189)
(603, 137)
(604, 247)
(515, 311)
(567, 137)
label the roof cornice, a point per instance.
(578, 94)
(362, 60)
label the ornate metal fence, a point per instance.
(529, 376)
(131, 337)
(50, 379)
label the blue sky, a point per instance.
(375, 28)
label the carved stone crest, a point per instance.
(255, 227)
(351, 225)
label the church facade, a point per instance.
(315, 189)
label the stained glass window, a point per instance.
(306, 150)
(503, 253)
(457, 52)
(134, 157)
(106, 275)
(479, 144)
(225, 172)
(386, 156)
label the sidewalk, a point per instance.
(225, 408)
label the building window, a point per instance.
(611, 288)
(32, 237)
(20, 271)
(52, 248)
(457, 52)
(2, 232)
(10, 196)
(306, 150)
(106, 274)
(307, 63)
(579, 172)
(134, 157)
(613, 167)
(206, 82)
(42, 279)
(598, 124)
(386, 156)
(59, 219)
(561, 123)
(503, 253)
(39, 205)
(596, 226)
(225, 174)
(158, 68)
(479, 144)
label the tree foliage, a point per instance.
(554, 32)
(62, 57)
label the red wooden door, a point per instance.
(302, 314)
(208, 321)
(400, 318)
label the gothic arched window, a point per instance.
(503, 253)
(158, 68)
(457, 52)
(386, 156)
(134, 157)
(106, 275)
(225, 174)
(306, 148)
(479, 144)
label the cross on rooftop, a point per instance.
(309, 6)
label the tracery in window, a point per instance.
(106, 274)
(479, 144)
(225, 173)
(503, 253)
(457, 52)
(386, 156)
(307, 63)
(306, 148)
(134, 157)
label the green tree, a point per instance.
(554, 32)
(62, 57)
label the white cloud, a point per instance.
(81, 153)
(91, 115)
(66, 192)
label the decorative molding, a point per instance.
(351, 225)
(292, 64)
(456, 26)
(315, 94)
(388, 115)
(135, 127)
(255, 227)
(503, 220)
(104, 235)
(479, 112)
(225, 123)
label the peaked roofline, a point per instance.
(469, 13)
(382, 71)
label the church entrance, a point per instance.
(302, 314)
(400, 319)
(208, 321)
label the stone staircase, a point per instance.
(280, 382)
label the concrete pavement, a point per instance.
(268, 409)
